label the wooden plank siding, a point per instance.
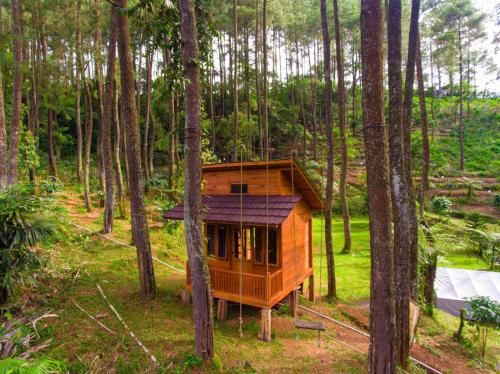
(294, 235)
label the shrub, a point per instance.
(496, 201)
(485, 314)
(50, 186)
(441, 205)
(24, 221)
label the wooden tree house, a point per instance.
(245, 203)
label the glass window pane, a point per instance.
(222, 241)
(211, 239)
(273, 247)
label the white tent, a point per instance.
(454, 286)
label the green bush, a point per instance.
(25, 220)
(496, 201)
(441, 205)
(485, 315)
(50, 186)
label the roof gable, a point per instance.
(302, 184)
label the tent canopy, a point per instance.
(454, 286)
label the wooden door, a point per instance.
(243, 244)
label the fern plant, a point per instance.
(25, 220)
(44, 365)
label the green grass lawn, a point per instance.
(352, 270)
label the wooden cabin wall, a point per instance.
(219, 182)
(294, 257)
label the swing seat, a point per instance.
(309, 325)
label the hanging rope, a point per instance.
(241, 241)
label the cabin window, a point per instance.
(239, 188)
(272, 255)
(217, 241)
(211, 240)
(260, 234)
(244, 242)
(222, 242)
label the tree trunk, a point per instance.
(89, 122)
(424, 181)
(313, 104)
(382, 355)
(342, 118)
(140, 231)
(265, 125)
(301, 103)
(171, 128)
(151, 142)
(107, 120)
(149, 74)
(429, 278)
(235, 83)
(399, 193)
(332, 287)
(257, 92)
(461, 98)
(202, 299)
(17, 89)
(79, 140)
(50, 143)
(100, 103)
(3, 138)
(120, 192)
(407, 107)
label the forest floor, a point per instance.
(165, 324)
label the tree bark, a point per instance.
(332, 287)
(343, 143)
(265, 124)
(257, 91)
(107, 120)
(79, 140)
(89, 123)
(17, 89)
(171, 126)
(3, 138)
(202, 299)
(424, 181)
(100, 104)
(50, 143)
(303, 121)
(120, 192)
(461, 98)
(235, 83)
(399, 192)
(149, 75)
(407, 107)
(382, 355)
(140, 231)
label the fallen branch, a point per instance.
(148, 353)
(94, 319)
(46, 315)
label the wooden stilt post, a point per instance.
(222, 310)
(293, 299)
(265, 333)
(185, 296)
(311, 288)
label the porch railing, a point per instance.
(253, 285)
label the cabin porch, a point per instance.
(226, 285)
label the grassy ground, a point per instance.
(165, 324)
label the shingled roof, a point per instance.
(226, 209)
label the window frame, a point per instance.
(216, 254)
(242, 188)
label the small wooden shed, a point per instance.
(245, 203)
